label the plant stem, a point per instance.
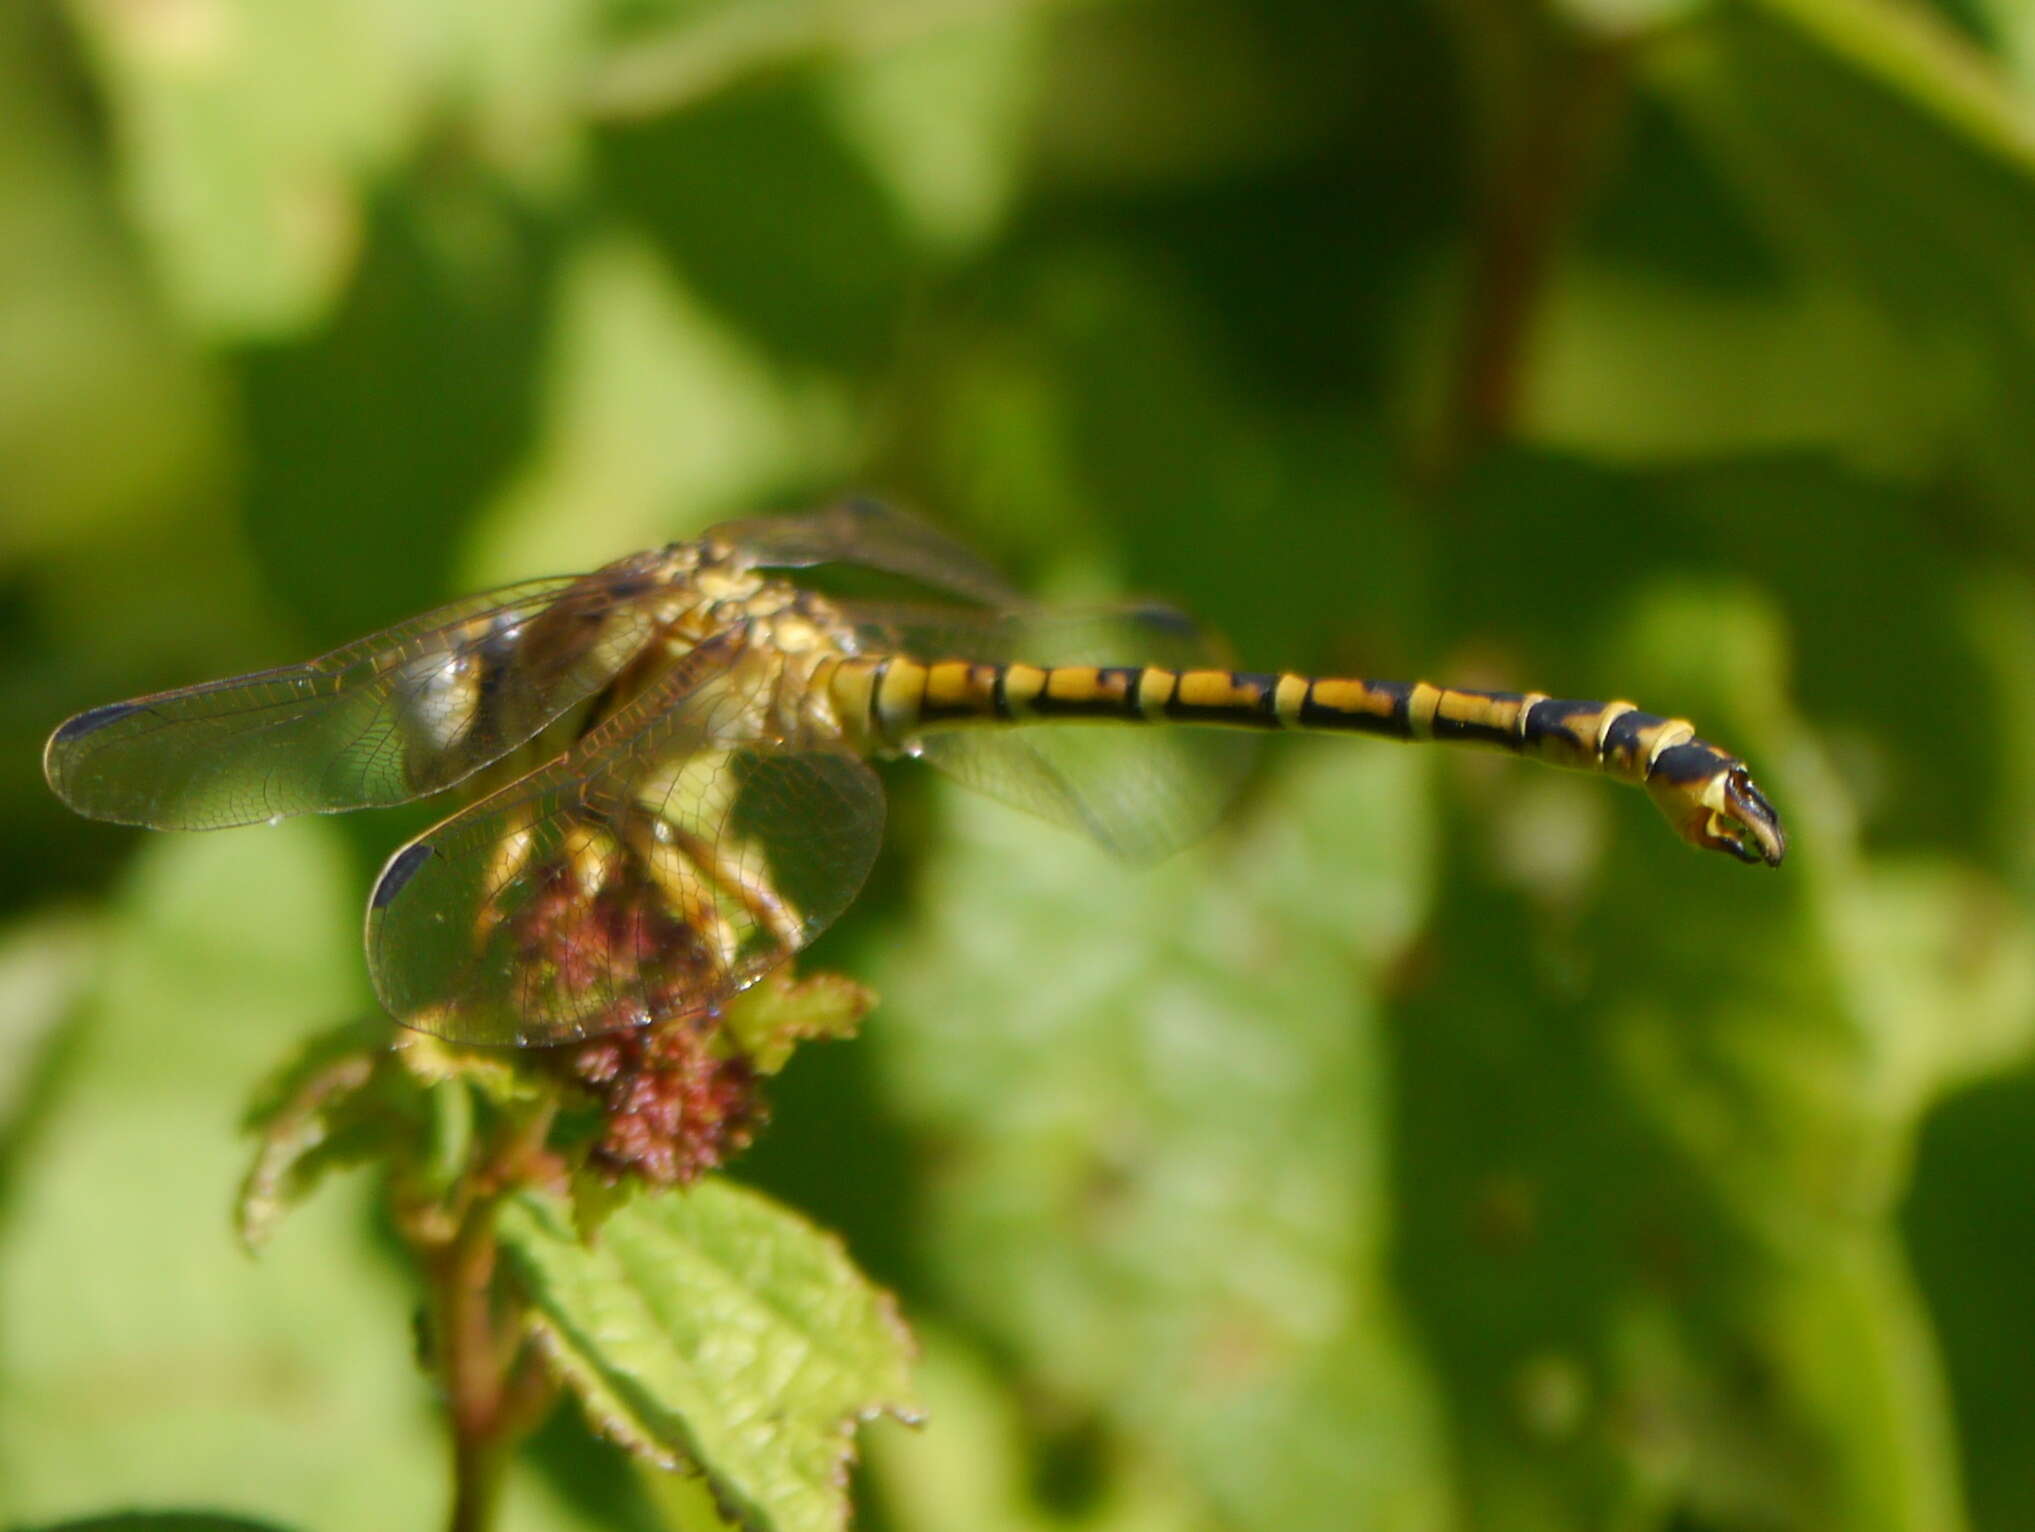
(1549, 102)
(468, 1359)
(491, 1396)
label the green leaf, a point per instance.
(253, 230)
(1887, 164)
(1912, 51)
(162, 1521)
(1753, 372)
(942, 120)
(506, 1077)
(976, 1466)
(1160, 1098)
(770, 1019)
(685, 1501)
(148, 1362)
(714, 1329)
(43, 966)
(1656, 1142)
(657, 417)
(249, 134)
(91, 356)
(321, 1112)
(597, 1197)
(679, 53)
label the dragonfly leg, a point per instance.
(745, 880)
(688, 889)
(707, 861)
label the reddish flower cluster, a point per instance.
(601, 936)
(672, 1107)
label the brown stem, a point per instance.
(1557, 103)
(469, 1352)
(491, 1398)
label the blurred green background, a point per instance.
(1442, 1144)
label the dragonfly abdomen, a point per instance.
(1705, 792)
(897, 697)
(893, 698)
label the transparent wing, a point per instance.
(401, 714)
(674, 856)
(1140, 791)
(1109, 633)
(873, 536)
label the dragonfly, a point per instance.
(686, 735)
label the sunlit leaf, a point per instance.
(160, 1521)
(43, 969)
(1912, 51)
(252, 231)
(121, 1268)
(942, 121)
(320, 1113)
(256, 233)
(657, 419)
(1162, 1098)
(976, 1463)
(712, 1331)
(767, 1021)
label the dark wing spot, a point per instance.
(402, 867)
(94, 719)
(1165, 619)
(624, 588)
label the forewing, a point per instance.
(871, 536)
(392, 717)
(1140, 790)
(1107, 633)
(672, 858)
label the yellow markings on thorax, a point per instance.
(850, 684)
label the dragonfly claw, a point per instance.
(1726, 812)
(1755, 818)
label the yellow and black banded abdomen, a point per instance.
(1705, 792)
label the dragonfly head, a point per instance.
(1722, 810)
